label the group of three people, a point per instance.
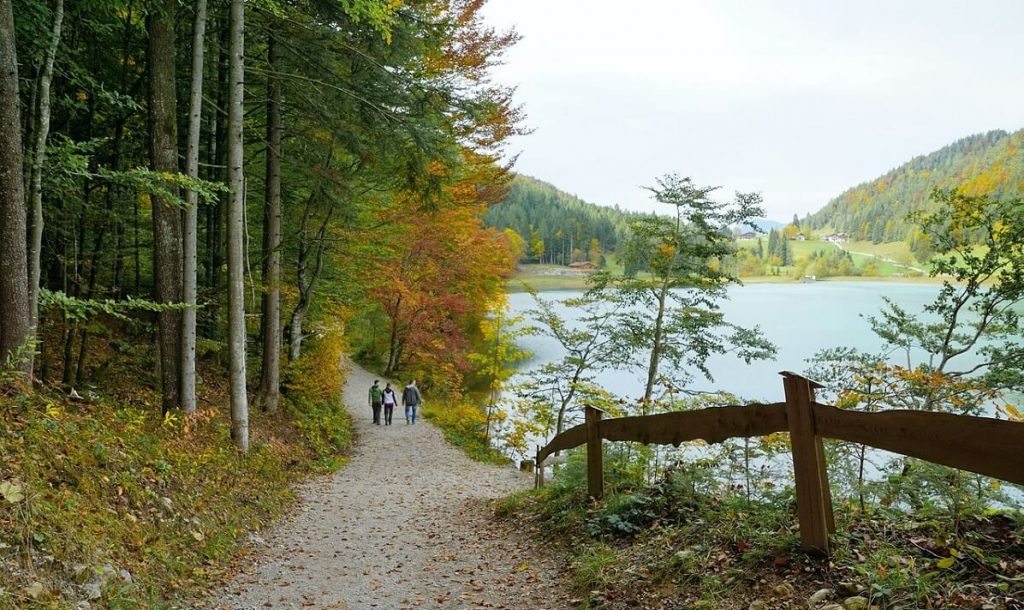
(385, 398)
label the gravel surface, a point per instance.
(404, 525)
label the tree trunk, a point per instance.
(236, 275)
(40, 133)
(15, 322)
(189, 263)
(166, 218)
(270, 379)
(652, 369)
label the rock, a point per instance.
(848, 588)
(125, 575)
(757, 605)
(832, 607)
(783, 590)
(83, 605)
(92, 591)
(34, 590)
(819, 596)
(81, 573)
(856, 602)
(166, 505)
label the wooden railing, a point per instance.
(987, 446)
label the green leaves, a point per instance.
(80, 310)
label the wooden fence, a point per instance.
(983, 445)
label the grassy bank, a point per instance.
(464, 423)
(107, 502)
(685, 542)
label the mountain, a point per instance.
(990, 163)
(564, 223)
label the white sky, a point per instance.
(798, 100)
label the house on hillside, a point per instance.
(746, 236)
(583, 267)
(801, 237)
(837, 238)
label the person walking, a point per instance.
(389, 399)
(376, 395)
(411, 400)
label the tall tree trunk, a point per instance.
(270, 378)
(15, 322)
(189, 263)
(656, 349)
(166, 218)
(236, 275)
(40, 133)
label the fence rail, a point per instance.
(987, 446)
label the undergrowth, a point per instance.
(688, 541)
(464, 424)
(113, 500)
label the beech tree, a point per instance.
(236, 230)
(40, 132)
(191, 224)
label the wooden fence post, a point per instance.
(595, 462)
(813, 495)
(538, 479)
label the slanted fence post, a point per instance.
(595, 461)
(813, 495)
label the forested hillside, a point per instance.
(991, 163)
(558, 227)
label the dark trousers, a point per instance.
(376, 412)
(388, 410)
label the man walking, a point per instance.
(411, 400)
(375, 399)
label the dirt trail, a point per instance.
(403, 525)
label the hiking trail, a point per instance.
(404, 525)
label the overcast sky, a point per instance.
(799, 100)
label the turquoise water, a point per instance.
(800, 319)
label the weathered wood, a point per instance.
(987, 446)
(811, 485)
(595, 458)
(573, 437)
(714, 425)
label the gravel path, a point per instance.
(404, 525)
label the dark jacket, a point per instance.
(410, 395)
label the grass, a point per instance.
(107, 485)
(464, 424)
(683, 542)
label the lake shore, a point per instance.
(542, 282)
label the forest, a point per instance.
(558, 228)
(990, 163)
(203, 207)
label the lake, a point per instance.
(800, 318)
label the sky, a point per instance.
(797, 100)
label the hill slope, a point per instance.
(563, 222)
(876, 211)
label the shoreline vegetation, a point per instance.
(550, 278)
